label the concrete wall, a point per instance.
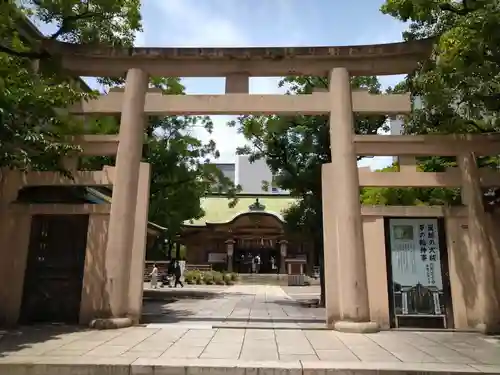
(14, 255)
(15, 227)
(463, 267)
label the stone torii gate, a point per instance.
(347, 294)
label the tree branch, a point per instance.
(466, 8)
(67, 24)
(27, 54)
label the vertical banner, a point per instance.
(415, 252)
(416, 265)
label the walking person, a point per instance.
(258, 261)
(170, 271)
(154, 277)
(178, 274)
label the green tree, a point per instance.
(295, 147)
(459, 84)
(182, 172)
(182, 169)
(387, 196)
(33, 89)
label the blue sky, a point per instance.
(238, 23)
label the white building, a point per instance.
(397, 124)
(250, 176)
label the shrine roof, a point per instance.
(103, 195)
(217, 210)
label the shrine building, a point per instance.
(229, 238)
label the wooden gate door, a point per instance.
(54, 269)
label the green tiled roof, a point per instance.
(217, 210)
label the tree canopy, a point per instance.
(458, 85)
(33, 90)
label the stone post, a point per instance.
(230, 253)
(283, 253)
(352, 288)
(486, 306)
(123, 206)
(237, 84)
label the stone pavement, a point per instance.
(182, 345)
(239, 306)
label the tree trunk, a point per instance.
(177, 251)
(169, 244)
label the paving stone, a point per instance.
(298, 357)
(295, 349)
(487, 369)
(107, 351)
(147, 347)
(199, 334)
(141, 354)
(259, 334)
(262, 346)
(183, 351)
(393, 368)
(66, 353)
(267, 355)
(257, 347)
(337, 355)
(203, 342)
(82, 345)
(223, 347)
(414, 356)
(220, 354)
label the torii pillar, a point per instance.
(123, 204)
(484, 313)
(351, 284)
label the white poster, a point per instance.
(217, 257)
(415, 252)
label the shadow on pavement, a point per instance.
(22, 338)
(166, 293)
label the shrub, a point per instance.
(218, 278)
(190, 277)
(208, 278)
(228, 279)
(234, 276)
(198, 277)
